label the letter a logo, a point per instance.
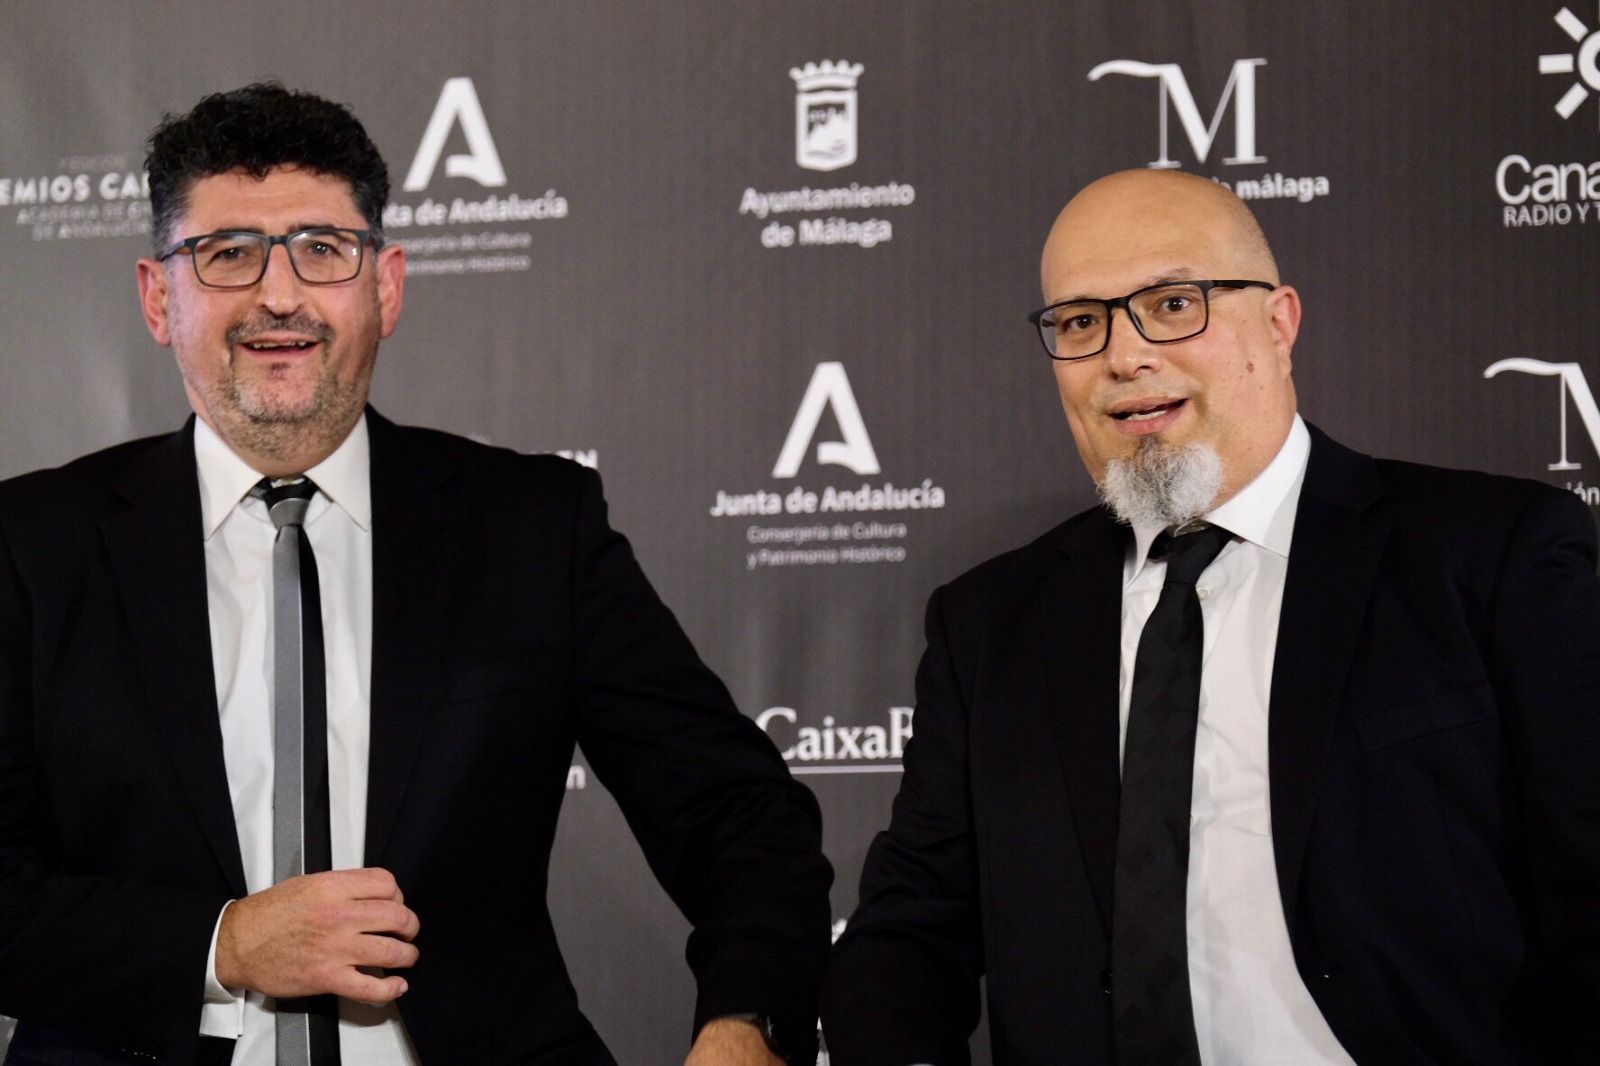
(829, 387)
(458, 102)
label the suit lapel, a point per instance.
(1339, 535)
(157, 559)
(1081, 626)
(415, 545)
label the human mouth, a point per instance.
(279, 345)
(1148, 415)
(278, 337)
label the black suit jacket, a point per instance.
(1434, 765)
(510, 623)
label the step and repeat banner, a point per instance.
(767, 266)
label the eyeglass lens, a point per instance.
(1168, 313)
(321, 256)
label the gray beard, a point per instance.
(244, 416)
(1162, 485)
(263, 429)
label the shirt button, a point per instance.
(1201, 593)
(1194, 820)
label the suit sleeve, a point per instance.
(108, 958)
(903, 984)
(1546, 669)
(734, 840)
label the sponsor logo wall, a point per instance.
(773, 266)
(1556, 187)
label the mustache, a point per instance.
(297, 322)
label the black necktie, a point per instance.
(307, 1028)
(1153, 1019)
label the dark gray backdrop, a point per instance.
(617, 299)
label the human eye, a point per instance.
(226, 249)
(1078, 319)
(326, 244)
(1171, 302)
(318, 247)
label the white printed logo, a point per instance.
(1241, 89)
(458, 103)
(830, 387)
(825, 114)
(788, 523)
(1583, 60)
(1573, 384)
(825, 126)
(1534, 193)
(840, 749)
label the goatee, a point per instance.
(1162, 484)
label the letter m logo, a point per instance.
(1241, 89)
(1573, 384)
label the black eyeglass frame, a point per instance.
(363, 238)
(1123, 302)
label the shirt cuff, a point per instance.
(222, 1013)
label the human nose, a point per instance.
(279, 286)
(1127, 352)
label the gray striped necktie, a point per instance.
(308, 1028)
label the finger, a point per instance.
(384, 916)
(370, 883)
(364, 988)
(374, 882)
(335, 885)
(384, 952)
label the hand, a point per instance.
(308, 935)
(731, 1042)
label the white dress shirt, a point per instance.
(238, 548)
(1250, 1004)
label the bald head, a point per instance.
(1136, 213)
(1227, 389)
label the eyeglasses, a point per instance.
(237, 259)
(1172, 311)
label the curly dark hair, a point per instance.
(254, 129)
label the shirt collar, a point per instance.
(225, 479)
(1262, 512)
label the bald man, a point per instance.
(1341, 805)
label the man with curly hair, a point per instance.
(288, 698)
